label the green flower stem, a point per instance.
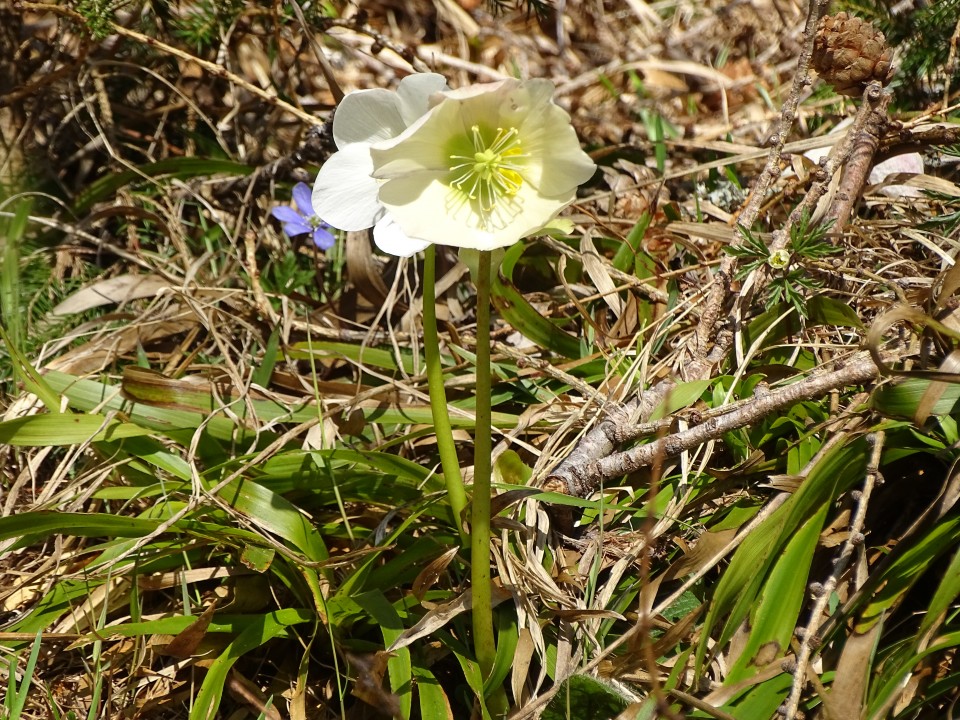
(456, 494)
(483, 448)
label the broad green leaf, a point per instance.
(774, 617)
(902, 398)
(680, 396)
(629, 253)
(53, 605)
(825, 310)
(276, 515)
(947, 592)
(760, 701)
(12, 231)
(226, 623)
(391, 627)
(33, 381)
(190, 407)
(65, 429)
(43, 524)
(742, 581)
(470, 669)
(149, 455)
(434, 702)
(507, 638)
(907, 568)
(585, 698)
(360, 354)
(85, 395)
(258, 630)
(890, 683)
(515, 309)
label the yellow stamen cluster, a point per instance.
(491, 171)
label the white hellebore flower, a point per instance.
(345, 193)
(486, 166)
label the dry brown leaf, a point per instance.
(116, 290)
(104, 349)
(429, 576)
(442, 614)
(522, 656)
(594, 268)
(244, 691)
(369, 683)
(847, 693)
(186, 641)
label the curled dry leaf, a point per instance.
(429, 576)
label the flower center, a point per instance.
(486, 170)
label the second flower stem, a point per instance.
(484, 644)
(456, 495)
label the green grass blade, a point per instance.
(259, 630)
(774, 618)
(177, 168)
(515, 309)
(17, 699)
(433, 701)
(57, 430)
(44, 524)
(399, 665)
(836, 469)
(276, 515)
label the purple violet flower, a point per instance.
(306, 220)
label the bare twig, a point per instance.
(765, 403)
(865, 143)
(808, 641)
(709, 345)
(599, 441)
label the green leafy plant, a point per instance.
(791, 280)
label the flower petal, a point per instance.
(414, 93)
(323, 238)
(297, 228)
(301, 196)
(390, 238)
(421, 146)
(286, 214)
(456, 221)
(471, 91)
(558, 162)
(367, 116)
(344, 194)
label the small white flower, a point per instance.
(345, 193)
(487, 166)
(779, 259)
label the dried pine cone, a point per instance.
(849, 53)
